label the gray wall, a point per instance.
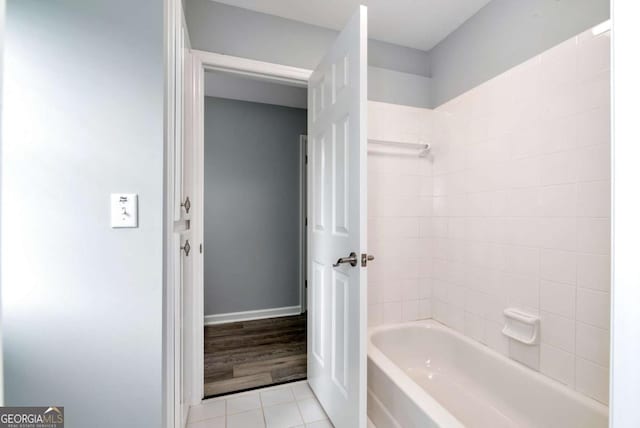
(83, 117)
(251, 210)
(231, 86)
(396, 87)
(2, 19)
(503, 34)
(221, 28)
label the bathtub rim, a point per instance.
(427, 403)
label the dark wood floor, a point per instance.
(251, 354)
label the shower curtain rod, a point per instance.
(423, 148)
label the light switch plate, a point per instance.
(124, 210)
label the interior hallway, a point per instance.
(250, 354)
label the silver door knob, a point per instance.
(352, 260)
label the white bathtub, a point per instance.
(423, 374)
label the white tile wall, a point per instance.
(400, 205)
(521, 212)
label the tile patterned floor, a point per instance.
(284, 406)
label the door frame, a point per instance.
(303, 223)
(176, 44)
(201, 62)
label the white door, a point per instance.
(187, 241)
(337, 125)
(185, 249)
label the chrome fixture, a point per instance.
(352, 260)
(405, 147)
(366, 258)
(186, 205)
(186, 248)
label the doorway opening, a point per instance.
(336, 188)
(254, 230)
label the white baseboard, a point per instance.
(251, 315)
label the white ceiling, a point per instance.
(419, 24)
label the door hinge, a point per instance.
(306, 159)
(186, 248)
(306, 221)
(186, 205)
(305, 284)
(200, 248)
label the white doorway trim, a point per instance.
(303, 224)
(206, 61)
(176, 43)
(248, 67)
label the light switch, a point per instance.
(124, 210)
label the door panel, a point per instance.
(337, 207)
(182, 215)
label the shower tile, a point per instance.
(594, 127)
(557, 233)
(558, 168)
(593, 54)
(558, 266)
(594, 199)
(410, 310)
(593, 308)
(392, 312)
(557, 364)
(494, 337)
(526, 354)
(594, 235)
(592, 380)
(558, 331)
(594, 271)
(595, 92)
(523, 290)
(515, 203)
(592, 343)
(558, 201)
(524, 261)
(474, 327)
(424, 309)
(593, 163)
(558, 298)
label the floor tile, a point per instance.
(320, 424)
(243, 402)
(207, 410)
(209, 423)
(311, 410)
(274, 396)
(301, 390)
(284, 415)
(250, 419)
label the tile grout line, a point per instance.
(226, 412)
(264, 417)
(298, 407)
